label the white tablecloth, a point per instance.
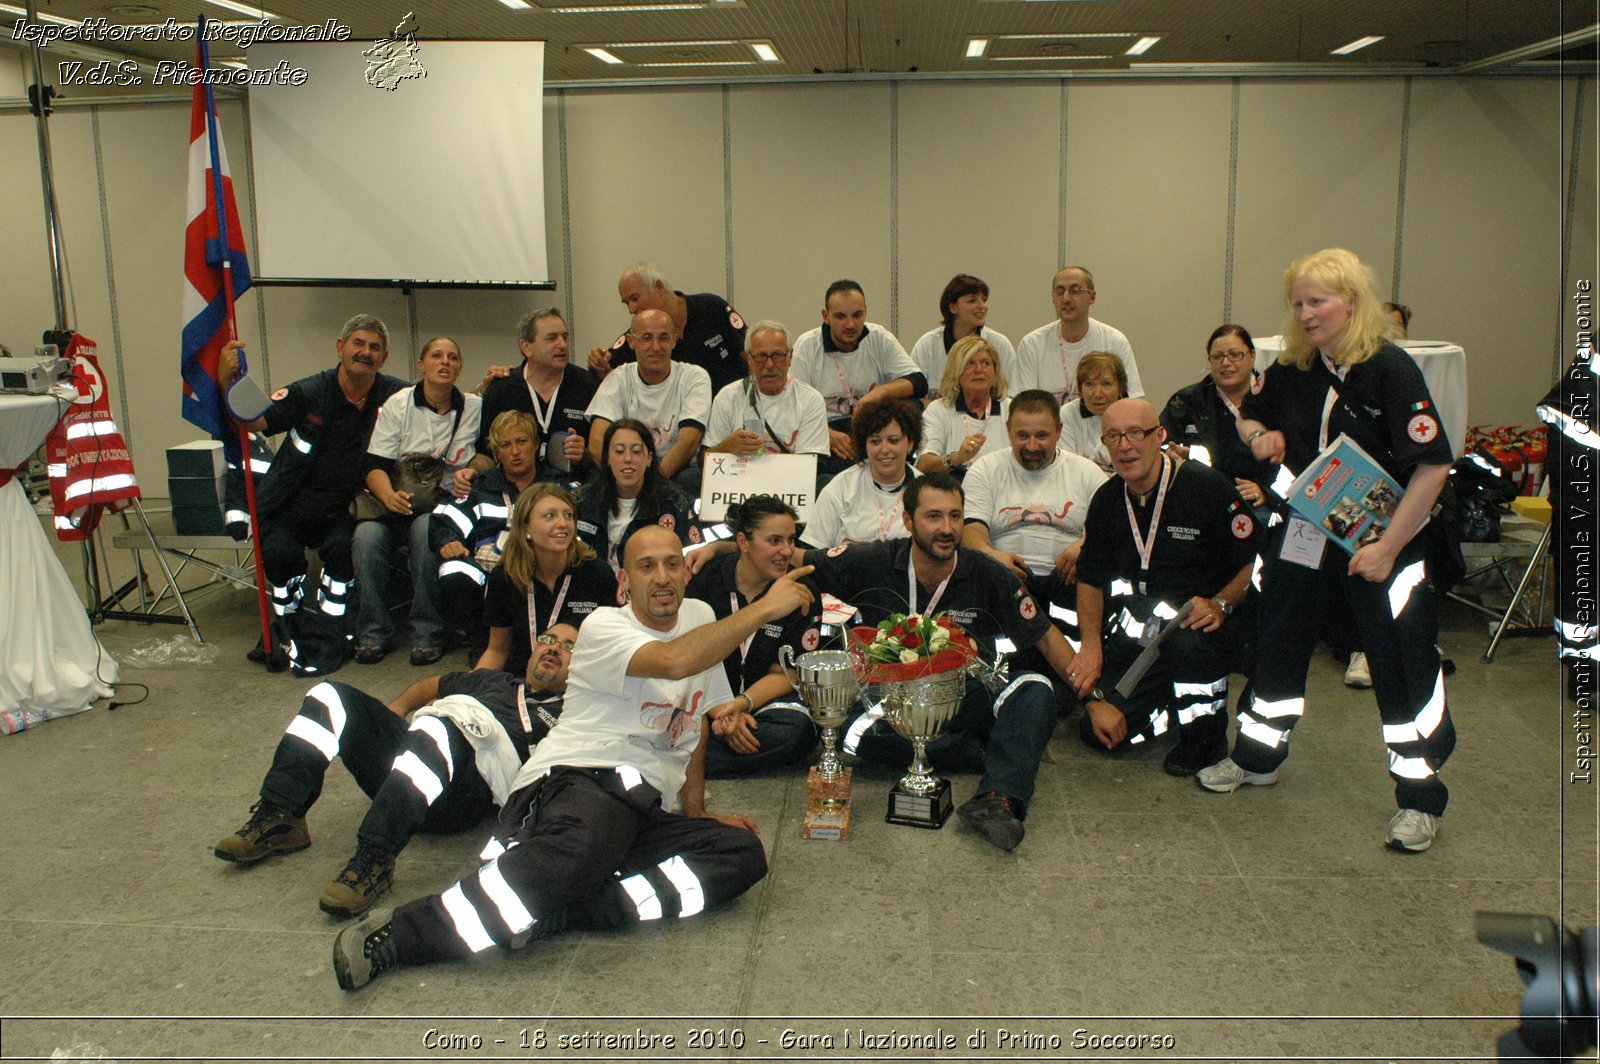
(1443, 365)
(48, 651)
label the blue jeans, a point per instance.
(373, 547)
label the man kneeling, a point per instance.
(453, 766)
(606, 825)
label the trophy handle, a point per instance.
(785, 661)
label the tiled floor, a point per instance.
(1268, 923)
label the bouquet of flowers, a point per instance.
(910, 646)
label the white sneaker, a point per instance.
(1412, 830)
(1225, 777)
(1356, 674)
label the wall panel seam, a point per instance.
(894, 207)
(1233, 203)
(1557, 357)
(727, 192)
(1061, 203)
(566, 212)
(1400, 196)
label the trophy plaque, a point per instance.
(827, 685)
(918, 710)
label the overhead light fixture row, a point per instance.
(1354, 46)
(976, 46)
(1142, 45)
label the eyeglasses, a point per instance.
(775, 357)
(1114, 438)
(1219, 357)
(555, 641)
(1073, 290)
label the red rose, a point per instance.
(911, 642)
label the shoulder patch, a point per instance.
(1243, 526)
(694, 533)
(1422, 428)
(668, 521)
(1027, 608)
(280, 395)
(1258, 381)
(734, 319)
(834, 552)
(620, 342)
(811, 639)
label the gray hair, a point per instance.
(649, 275)
(525, 330)
(365, 323)
(766, 325)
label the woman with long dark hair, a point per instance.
(630, 492)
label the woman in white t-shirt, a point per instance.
(969, 417)
(433, 419)
(862, 504)
(964, 306)
(1102, 380)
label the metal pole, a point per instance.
(52, 223)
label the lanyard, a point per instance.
(1329, 400)
(1147, 544)
(911, 587)
(886, 517)
(549, 410)
(522, 708)
(533, 614)
(1069, 383)
(838, 367)
(744, 648)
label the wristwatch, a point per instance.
(1224, 605)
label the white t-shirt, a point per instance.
(930, 356)
(611, 719)
(683, 399)
(616, 525)
(797, 414)
(1044, 360)
(1080, 434)
(854, 509)
(1032, 513)
(843, 377)
(944, 427)
(404, 428)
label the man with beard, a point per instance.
(606, 825)
(1003, 735)
(469, 733)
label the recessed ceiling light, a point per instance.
(1142, 45)
(1354, 46)
(765, 52)
(701, 63)
(254, 11)
(1041, 58)
(604, 56)
(1055, 36)
(665, 44)
(625, 9)
(976, 46)
(517, 5)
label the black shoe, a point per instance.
(258, 653)
(364, 950)
(994, 816)
(426, 655)
(1194, 753)
(369, 653)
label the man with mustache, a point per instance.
(304, 500)
(606, 825)
(469, 733)
(1163, 534)
(1025, 507)
(769, 410)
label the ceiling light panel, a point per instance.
(1356, 45)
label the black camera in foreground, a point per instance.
(1561, 970)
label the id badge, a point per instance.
(1303, 543)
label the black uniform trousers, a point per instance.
(594, 845)
(1187, 684)
(787, 737)
(422, 777)
(1398, 626)
(309, 520)
(462, 583)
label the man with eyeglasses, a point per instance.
(1048, 356)
(708, 332)
(769, 411)
(606, 826)
(451, 766)
(1166, 535)
(672, 398)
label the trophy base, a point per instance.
(831, 793)
(920, 810)
(826, 823)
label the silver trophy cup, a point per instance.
(828, 686)
(918, 711)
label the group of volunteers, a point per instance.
(620, 650)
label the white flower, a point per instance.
(908, 656)
(940, 638)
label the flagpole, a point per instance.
(233, 334)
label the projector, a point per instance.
(33, 376)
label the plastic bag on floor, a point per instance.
(179, 650)
(81, 1051)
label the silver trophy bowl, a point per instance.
(828, 686)
(919, 710)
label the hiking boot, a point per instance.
(1357, 674)
(1226, 776)
(1412, 830)
(994, 816)
(271, 829)
(364, 949)
(363, 881)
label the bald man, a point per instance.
(710, 333)
(672, 398)
(1161, 535)
(606, 825)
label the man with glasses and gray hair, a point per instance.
(769, 411)
(1166, 542)
(707, 331)
(1048, 356)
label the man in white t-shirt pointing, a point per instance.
(1048, 357)
(606, 824)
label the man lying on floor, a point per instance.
(606, 825)
(452, 766)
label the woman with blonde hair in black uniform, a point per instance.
(1340, 374)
